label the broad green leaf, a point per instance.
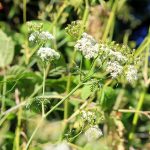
(6, 49)
(86, 92)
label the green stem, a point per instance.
(4, 93)
(66, 107)
(3, 119)
(59, 13)
(24, 11)
(65, 98)
(126, 37)
(136, 115)
(44, 79)
(111, 33)
(91, 71)
(81, 67)
(50, 111)
(118, 100)
(110, 21)
(17, 133)
(34, 132)
(142, 47)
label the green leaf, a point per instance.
(86, 92)
(107, 98)
(6, 50)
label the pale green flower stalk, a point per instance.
(46, 54)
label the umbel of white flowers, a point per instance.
(116, 65)
(88, 46)
(43, 35)
(46, 53)
(88, 116)
(131, 73)
(111, 53)
(93, 133)
(114, 68)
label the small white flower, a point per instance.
(84, 114)
(105, 48)
(45, 35)
(88, 46)
(88, 116)
(46, 53)
(131, 73)
(33, 36)
(93, 133)
(62, 146)
(114, 68)
(118, 55)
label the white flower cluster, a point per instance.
(117, 55)
(117, 63)
(33, 36)
(93, 133)
(131, 73)
(46, 53)
(114, 68)
(44, 35)
(88, 116)
(88, 46)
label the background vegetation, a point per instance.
(122, 109)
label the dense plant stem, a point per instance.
(50, 111)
